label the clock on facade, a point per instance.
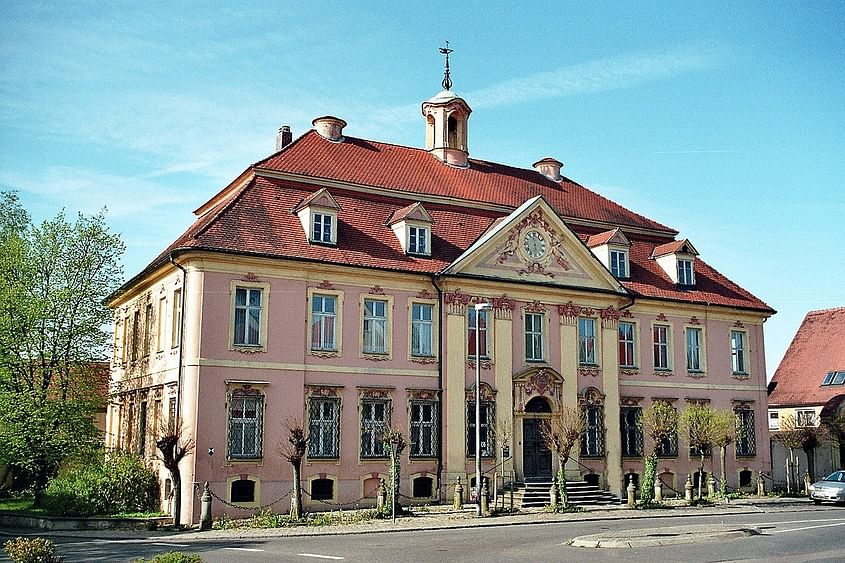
(534, 245)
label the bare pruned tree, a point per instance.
(293, 449)
(173, 447)
(561, 432)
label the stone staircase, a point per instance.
(534, 493)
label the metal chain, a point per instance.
(341, 504)
(251, 508)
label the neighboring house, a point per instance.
(809, 386)
(334, 282)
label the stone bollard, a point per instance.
(458, 501)
(761, 485)
(807, 483)
(688, 488)
(553, 500)
(485, 507)
(205, 513)
(381, 495)
(711, 486)
(658, 491)
(631, 490)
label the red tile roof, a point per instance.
(600, 238)
(817, 348)
(257, 218)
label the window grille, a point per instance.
(424, 429)
(245, 425)
(488, 421)
(323, 428)
(745, 441)
(632, 435)
(375, 418)
(592, 441)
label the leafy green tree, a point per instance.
(561, 432)
(724, 434)
(697, 423)
(54, 277)
(659, 421)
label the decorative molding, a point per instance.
(539, 383)
(555, 249)
(664, 373)
(250, 277)
(609, 316)
(424, 361)
(423, 394)
(324, 354)
(503, 302)
(425, 294)
(534, 307)
(485, 364)
(696, 374)
(587, 312)
(322, 390)
(742, 404)
(630, 401)
(487, 392)
(662, 318)
(741, 376)
(535, 268)
(738, 324)
(629, 372)
(589, 372)
(376, 357)
(376, 290)
(626, 314)
(569, 310)
(325, 284)
(456, 297)
(591, 397)
(375, 392)
(693, 320)
(247, 350)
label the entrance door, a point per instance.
(536, 457)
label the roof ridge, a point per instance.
(821, 311)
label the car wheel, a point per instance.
(817, 502)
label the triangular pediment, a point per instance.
(613, 237)
(413, 212)
(533, 244)
(321, 198)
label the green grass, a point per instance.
(24, 505)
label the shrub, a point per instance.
(115, 483)
(31, 550)
(172, 557)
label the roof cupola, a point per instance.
(446, 116)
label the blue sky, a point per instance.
(722, 120)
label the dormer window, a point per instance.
(318, 215)
(677, 258)
(418, 240)
(611, 248)
(323, 229)
(412, 226)
(685, 273)
(619, 263)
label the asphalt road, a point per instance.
(816, 535)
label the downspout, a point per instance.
(176, 424)
(440, 486)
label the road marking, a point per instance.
(243, 549)
(319, 556)
(171, 544)
(807, 528)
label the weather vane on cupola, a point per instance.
(447, 80)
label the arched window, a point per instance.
(423, 487)
(746, 477)
(243, 490)
(322, 489)
(538, 405)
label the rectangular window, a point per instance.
(176, 327)
(592, 441)
(668, 446)
(247, 316)
(661, 346)
(746, 445)
(774, 420)
(142, 430)
(487, 425)
(482, 333)
(838, 378)
(126, 336)
(417, 240)
(171, 414)
(685, 272)
(375, 419)
(148, 328)
(375, 326)
(323, 428)
(423, 429)
(632, 434)
(534, 324)
(587, 341)
(321, 227)
(694, 349)
(323, 317)
(245, 425)
(738, 351)
(619, 263)
(136, 334)
(162, 317)
(805, 418)
(627, 345)
(422, 334)
(828, 378)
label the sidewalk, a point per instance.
(442, 518)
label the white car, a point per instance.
(831, 488)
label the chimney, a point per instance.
(329, 127)
(550, 168)
(283, 137)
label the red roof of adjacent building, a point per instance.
(817, 348)
(257, 217)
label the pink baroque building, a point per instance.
(334, 283)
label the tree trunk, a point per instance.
(701, 475)
(561, 482)
(176, 477)
(296, 500)
(723, 487)
(811, 463)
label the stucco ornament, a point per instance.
(537, 244)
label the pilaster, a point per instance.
(503, 333)
(610, 379)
